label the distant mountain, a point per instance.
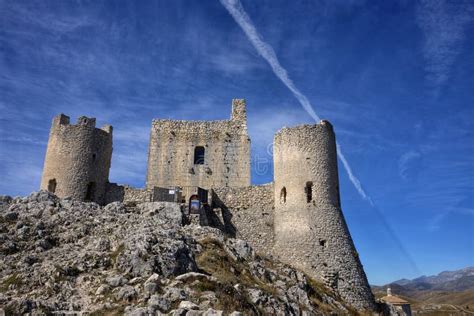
(459, 280)
(447, 288)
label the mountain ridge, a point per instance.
(452, 280)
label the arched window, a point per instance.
(199, 155)
(309, 191)
(283, 195)
(52, 185)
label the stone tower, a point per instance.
(200, 153)
(310, 230)
(77, 159)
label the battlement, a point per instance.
(77, 159)
(297, 218)
(239, 110)
(63, 120)
(86, 121)
(237, 124)
(200, 153)
(107, 128)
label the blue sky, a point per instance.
(395, 78)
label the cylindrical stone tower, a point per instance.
(310, 231)
(78, 159)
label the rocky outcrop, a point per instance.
(61, 255)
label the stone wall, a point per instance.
(310, 231)
(77, 159)
(125, 193)
(248, 213)
(171, 156)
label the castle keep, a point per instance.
(297, 217)
(205, 154)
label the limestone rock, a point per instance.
(61, 255)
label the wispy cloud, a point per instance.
(266, 51)
(236, 10)
(20, 174)
(27, 13)
(443, 24)
(436, 221)
(408, 164)
(443, 169)
(234, 7)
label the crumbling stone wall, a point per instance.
(171, 155)
(248, 214)
(78, 159)
(298, 218)
(125, 193)
(310, 230)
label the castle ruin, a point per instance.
(78, 159)
(296, 218)
(206, 154)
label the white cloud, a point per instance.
(408, 163)
(234, 7)
(443, 25)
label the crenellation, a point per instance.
(77, 159)
(296, 218)
(171, 156)
(86, 121)
(60, 119)
(107, 128)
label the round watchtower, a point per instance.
(310, 231)
(77, 159)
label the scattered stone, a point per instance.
(188, 305)
(62, 256)
(126, 293)
(102, 289)
(116, 281)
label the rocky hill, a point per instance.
(60, 255)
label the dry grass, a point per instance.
(114, 254)
(13, 279)
(215, 261)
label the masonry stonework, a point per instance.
(200, 153)
(297, 218)
(247, 213)
(310, 230)
(77, 159)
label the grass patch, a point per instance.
(315, 291)
(215, 261)
(13, 279)
(114, 254)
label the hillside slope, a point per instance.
(447, 291)
(63, 255)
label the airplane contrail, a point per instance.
(266, 51)
(236, 10)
